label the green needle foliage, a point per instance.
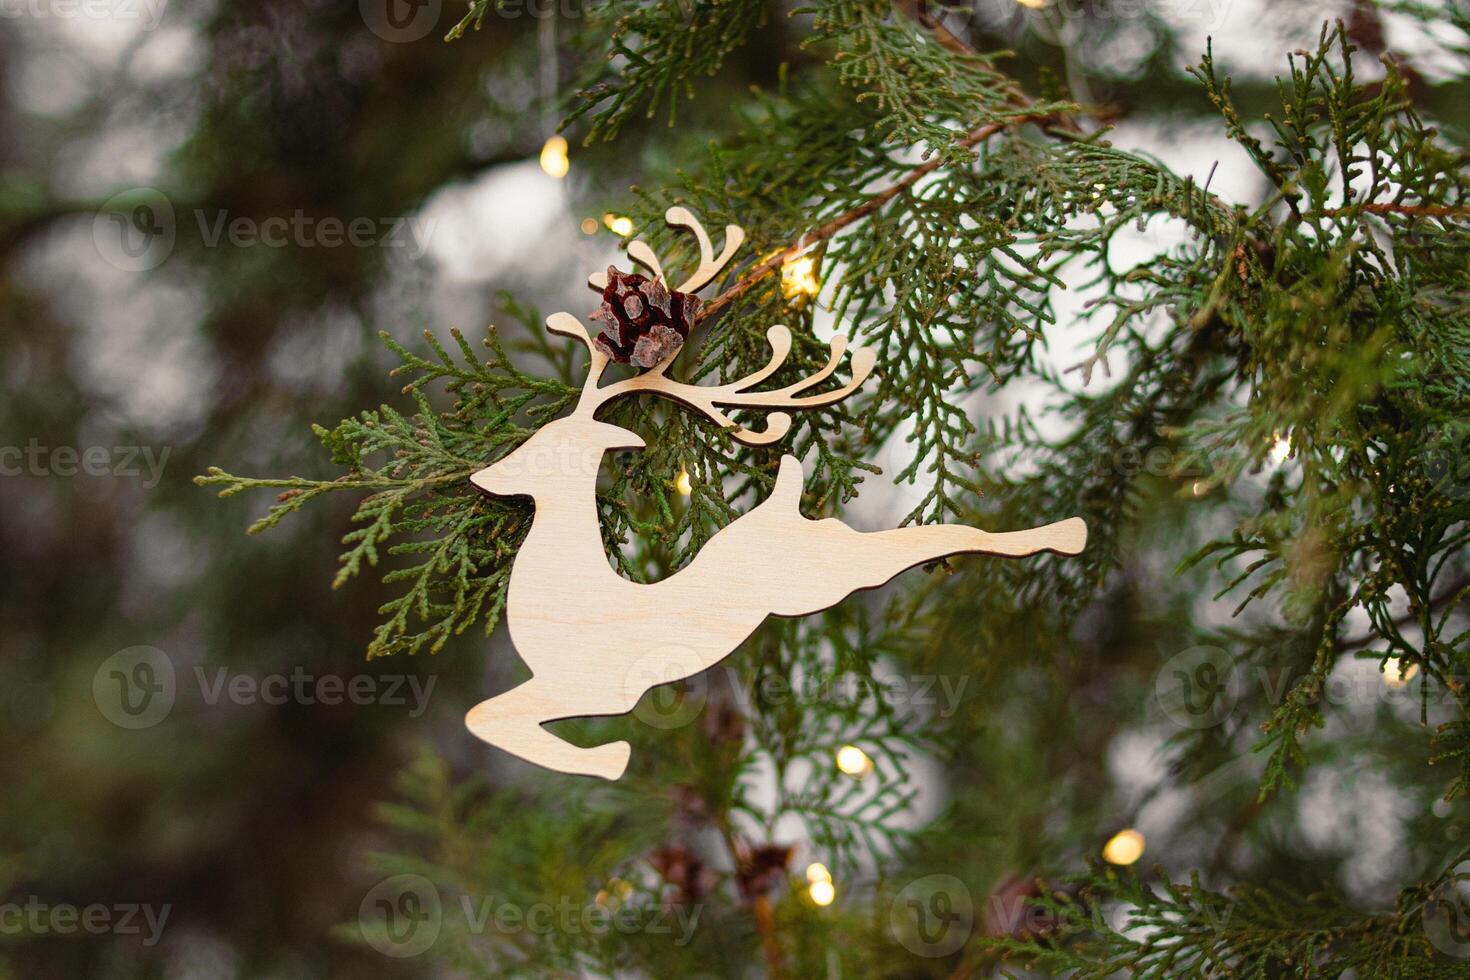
(1295, 366)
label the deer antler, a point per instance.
(709, 263)
(737, 394)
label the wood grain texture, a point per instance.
(595, 642)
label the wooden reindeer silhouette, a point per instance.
(596, 642)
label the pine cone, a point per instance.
(643, 320)
(691, 878)
(762, 868)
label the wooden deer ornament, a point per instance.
(596, 642)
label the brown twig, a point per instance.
(916, 10)
(1449, 595)
(744, 284)
(760, 905)
(1409, 210)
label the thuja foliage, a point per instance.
(1301, 361)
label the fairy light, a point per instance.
(1396, 675)
(589, 226)
(683, 484)
(1033, 4)
(799, 278)
(1200, 488)
(1123, 848)
(618, 224)
(822, 892)
(1280, 449)
(616, 888)
(554, 160)
(820, 888)
(854, 761)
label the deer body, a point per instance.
(596, 642)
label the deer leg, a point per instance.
(512, 721)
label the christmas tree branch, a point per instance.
(773, 263)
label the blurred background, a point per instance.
(187, 721)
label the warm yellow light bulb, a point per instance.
(1396, 675)
(554, 160)
(799, 278)
(1033, 4)
(1125, 847)
(822, 892)
(682, 483)
(618, 225)
(589, 226)
(854, 761)
(1280, 449)
(817, 871)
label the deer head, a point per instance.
(572, 447)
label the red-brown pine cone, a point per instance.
(643, 320)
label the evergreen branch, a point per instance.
(1177, 930)
(772, 263)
